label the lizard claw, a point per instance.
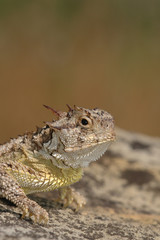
(35, 213)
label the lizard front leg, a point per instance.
(69, 197)
(11, 190)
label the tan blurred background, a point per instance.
(93, 53)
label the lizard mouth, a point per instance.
(109, 139)
(78, 148)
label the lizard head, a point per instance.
(84, 134)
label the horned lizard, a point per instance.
(53, 157)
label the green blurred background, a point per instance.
(93, 53)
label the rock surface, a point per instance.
(123, 198)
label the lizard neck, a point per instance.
(41, 137)
(46, 144)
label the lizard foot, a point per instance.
(35, 212)
(11, 190)
(69, 197)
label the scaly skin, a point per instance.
(53, 157)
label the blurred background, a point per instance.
(102, 54)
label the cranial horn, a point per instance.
(58, 113)
(69, 107)
(77, 108)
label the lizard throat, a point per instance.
(81, 158)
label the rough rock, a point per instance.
(123, 198)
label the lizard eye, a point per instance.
(85, 122)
